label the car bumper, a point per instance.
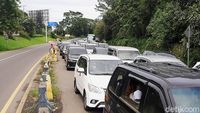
(95, 100)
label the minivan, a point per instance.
(153, 88)
(91, 77)
(126, 54)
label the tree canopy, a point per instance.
(75, 24)
(9, 16)
(161, 20)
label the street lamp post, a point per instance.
(46, 31)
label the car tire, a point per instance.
(75, 87)
(85, 102)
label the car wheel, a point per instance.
(75, 88)
(85, 102)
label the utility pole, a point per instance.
(46, 33)
(188, 47)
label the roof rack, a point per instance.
(142, 67)
(166, 70)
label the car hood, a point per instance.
(100, 81)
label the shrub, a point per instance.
(53, 35)
(24, 34)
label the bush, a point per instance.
(24, 34)
(53, 35)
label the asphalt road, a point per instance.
(72, 103)
(14, 65)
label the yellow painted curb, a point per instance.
(49, 93)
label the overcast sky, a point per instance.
(58, 7)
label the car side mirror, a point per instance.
(80, 70)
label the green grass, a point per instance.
(20, 42)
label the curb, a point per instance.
(24, 97)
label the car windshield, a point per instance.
(77, 51)
(103, 67)
(128, 55)
(187, 98)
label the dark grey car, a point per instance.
(72, 56)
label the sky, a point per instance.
(58, 7)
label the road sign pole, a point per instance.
(46, 31)
(188, 46)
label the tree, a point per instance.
(9, 17)
(104, 5)
(29, 26)
(99, 30)
(39, 22)
(75, 24)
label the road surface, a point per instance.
(72, 103)
(14, 66)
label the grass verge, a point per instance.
(20, 42)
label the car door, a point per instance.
(126, 102)
(114, 90)
(83, 76)
(154, 100)
(78, 74)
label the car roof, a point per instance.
(158, 58)
(91, 44)
(78, 47)
(164, 73)
(123, 48)
(100, 57)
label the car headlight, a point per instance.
(94, 89)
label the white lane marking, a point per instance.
(18, 54)
(13, 95)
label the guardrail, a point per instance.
(45, 92)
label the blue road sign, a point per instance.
(52, 24)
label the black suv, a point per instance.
(153, 88)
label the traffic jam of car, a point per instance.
(122, 80)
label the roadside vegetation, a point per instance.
(20, 42)
(157, 25)
(17, 29)
(74, 24)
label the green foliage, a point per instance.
(29, 26)
(157, 25)
(9, 17)
(53, 35)
(20, 42)
(35, 92)
(75, 24)
(24, 34)
(99, 30)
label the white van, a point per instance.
(126, 54)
